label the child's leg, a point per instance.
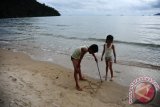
(111, 70)
(106, 70)
(80, 75)
(76, 72)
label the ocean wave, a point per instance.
(126, 62)
(155, 28)
(62, 25)
(116, 41)
(139, 44)
(16, 39)
(138, 64)
(129, 43)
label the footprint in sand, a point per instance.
(125, 99)
(19, 103)
(118, 71)
(57, 77)
(1, 101)
(55, 105)
(13, 79)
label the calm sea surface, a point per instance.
(137, 38)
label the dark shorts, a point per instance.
(72, 58)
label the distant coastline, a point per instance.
(158, 14)
(25, 8)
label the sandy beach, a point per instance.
(28, 83)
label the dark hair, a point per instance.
(109, 38)
(94, 48)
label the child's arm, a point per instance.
(83, 51)
(114, 52)
(102, 53)
(95, 57)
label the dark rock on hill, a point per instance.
(25, 8)
(158, 14)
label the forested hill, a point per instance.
(25, 8)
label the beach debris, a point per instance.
(1, 101)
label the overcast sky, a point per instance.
(104, 7)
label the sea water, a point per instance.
(136, 38)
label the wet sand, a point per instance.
(30, 83)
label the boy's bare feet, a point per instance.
(82, 79)
(78, 88)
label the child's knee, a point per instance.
(110, 67)
(76, 70)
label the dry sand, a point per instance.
(28, 83)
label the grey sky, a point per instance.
(104, 7)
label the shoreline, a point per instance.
(89, 67)
(124, 72)
(30, 83)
